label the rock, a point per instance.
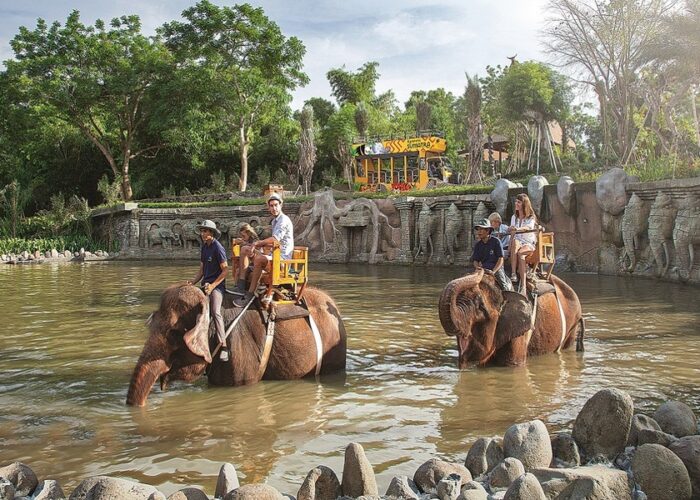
(48, 490)
(535, 190)
(67, 254)
(506, 472)
(610, 191)
(227, 480)
(54, 253)
(529, 442)
(22, 478)
(565, 450)
(640, 422)
(107, 488)
(594, 482)
(358, 476)
(448, 488)
(688, 450)
(525, 487)
(254, 492)
(565, 193)
(431, 472)
(484, 455)
(76, 255)
(37, 255)
(650, 436)
(47, 254)
(401, 487)
(603, 424)
(189, 494)
(676, 418)
(472, 490)
(660, 473)
(7, 489)
(321, 483)
(4, 257)
(24, 255)
(499, 195)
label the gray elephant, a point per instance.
(634, 223)
(160, 236)
(661, 219)
(686, 233)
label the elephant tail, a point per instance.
(580, 335)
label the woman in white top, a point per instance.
(522, 243)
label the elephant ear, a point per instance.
(515, 319)
(197, 339)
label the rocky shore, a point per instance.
(54, 255)
(610, 453)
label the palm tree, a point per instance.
(472, 101)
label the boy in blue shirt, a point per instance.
(488, 254)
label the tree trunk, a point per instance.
(694, 108)
(127, 192)
(243, 183)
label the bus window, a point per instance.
(386, 170)
(412, 169)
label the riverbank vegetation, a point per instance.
(106, 112)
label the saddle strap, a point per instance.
(563, 321)
(267, 347)
(319, 343)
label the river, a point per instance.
(72, 334)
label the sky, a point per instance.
(419, 44)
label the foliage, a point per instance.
(307, 146)
(73, 243)
(354, 88)
(110, 190)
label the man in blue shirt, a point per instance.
(488, 254)
(282, 233)
(212, 273)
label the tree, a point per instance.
(353, 88)
(245, 66)
(473, 128)
(604, 43)
(362, 119)
(423, 115)
(307, 147)
(323, 110)
(100, 80)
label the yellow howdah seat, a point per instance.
(284, 279)
(543, 254)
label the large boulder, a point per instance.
(499, 195)
(7, 489)
(535, 190)
(429, 474)
(401, 487)
(640, 422)
(48, 490)
(21, 476)
(565, 451)
(321, 483)
(448, 488)
(526, 487)
(565, 193)
(610, 191)
(254, 492)
(650, 436)
(484, 455)
(688, 450)
(109, 488)
(506, 472)
(603, 424)
(530, 443)
(472, 490)
(188, 493)
(677, 418)
(227, 480)
(593, 482)
(358, 475)
(660, 473)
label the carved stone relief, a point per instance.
(634, 223)
(686, 234)
(661, 219)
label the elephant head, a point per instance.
(177, 347)
(482, 317)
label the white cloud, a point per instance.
(409, 33)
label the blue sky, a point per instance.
(419, 44)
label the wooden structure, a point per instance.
(543, 254)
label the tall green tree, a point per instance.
(353, 88)
(472, 127)
(245, 68)
(100, 79)
(307, 147)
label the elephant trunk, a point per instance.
(146, 372)
(656, 252)
(628, 240)
(453, 313)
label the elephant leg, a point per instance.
(667, 261)
(691, 253)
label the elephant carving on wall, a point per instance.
(425, 230)
(178, 346)
(186, 232)
(161, 236)
(634, 223)
(686, 233)
(454, 225)
(498, 327)
(661, 218)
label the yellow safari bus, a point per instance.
(401, 163)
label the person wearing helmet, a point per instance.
(212, 273)
(488, 254)
(282, 233)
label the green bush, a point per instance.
(61, 243)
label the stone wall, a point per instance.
(612, 226)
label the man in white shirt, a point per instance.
(282, 233)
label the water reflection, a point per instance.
(73, 333)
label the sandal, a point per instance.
(514, 277)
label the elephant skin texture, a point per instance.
(661, 218)
(686, 233)
(634, 223)
(495, 327)
(177, 346)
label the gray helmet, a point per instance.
(483, 224)
(208, 224)
(274, 196)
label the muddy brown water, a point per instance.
(72, 333)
